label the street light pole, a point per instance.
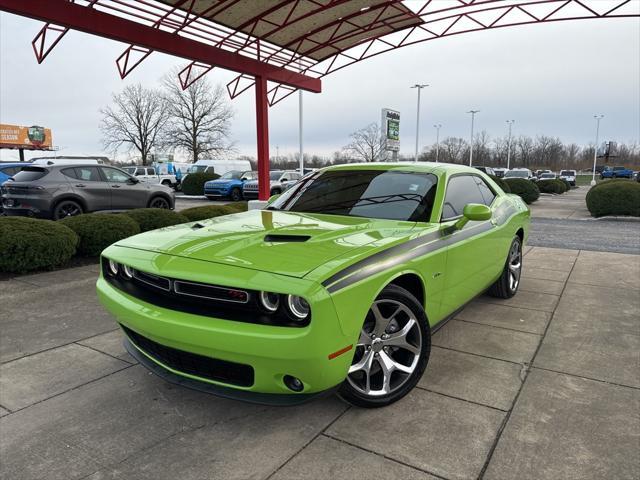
(473, 116)
(419, 86)
(437, 126)
(510, 122)
(595, 150)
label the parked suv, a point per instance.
(279, 182)
(616, 172)
(59, 191)
(228, 185)
(568, 176)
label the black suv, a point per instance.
(59, 191)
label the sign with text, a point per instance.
(28, 138)
(390, 124)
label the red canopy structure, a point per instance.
(281, 46)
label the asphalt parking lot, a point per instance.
(543, 386)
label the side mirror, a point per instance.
(133, 180)
(474, 212)
(272, 199)
(284, 180)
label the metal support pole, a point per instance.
(419, 86)
(300, 131)
(510, 122)
(21, 153)
(437, 141)
(473, 116)
(262, 131)
(595, 150)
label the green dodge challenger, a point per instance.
(337, 286)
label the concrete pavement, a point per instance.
(543, 386)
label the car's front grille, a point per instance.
(193, 364)
(216, 301)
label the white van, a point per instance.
(220, 166)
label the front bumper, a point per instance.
(271, 351)
(250, 194)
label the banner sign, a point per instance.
(390, 124)
(29, 138)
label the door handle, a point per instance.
(82, 185)
(116, 186)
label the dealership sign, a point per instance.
(390, 124)
(28, 138)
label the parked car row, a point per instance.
(237, 185)
(568, 175)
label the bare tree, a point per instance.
(453, 149)
(366, 144)
(136, 120)
(199, 118)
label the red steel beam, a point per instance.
(88, 20)
(262, 129)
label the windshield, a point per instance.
(567, 173)
(275, 175)
(130, 170)
(516, 174)
(232, 175)
(392, 195)
(29, 174)
(547, 175)
(197, 168)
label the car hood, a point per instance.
(219, 183)
(286, 243)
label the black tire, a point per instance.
(67, 208)
(417, 337)
(236, 194)
(159, 202)
(507, 285)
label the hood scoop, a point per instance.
(281, 238)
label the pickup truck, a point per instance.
(149, 175)
(616, 172)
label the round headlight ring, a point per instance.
(270, 301)
(114, 267)
(127, 271)
(298, 307)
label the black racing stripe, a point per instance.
(382, 256)
(376, 267)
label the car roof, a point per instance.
(418, 167)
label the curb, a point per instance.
(593, 219)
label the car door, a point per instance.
(89, 184)
(126, 192)
(474, 251)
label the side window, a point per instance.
(140, 171)
(461, 190)
(115, 176)
(70, 172)
(87, 174)
(294, 176)
(151, 171)
(485, 190)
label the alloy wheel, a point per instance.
(159, 203)
(388, 350)
(515, 266)
(67, 209)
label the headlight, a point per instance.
(298, 307)
(113, 267)
(270, 301)
(127, 271)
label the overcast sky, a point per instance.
(550, 78)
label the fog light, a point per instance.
(270, 301)
(113, 268)
(298, 307)
(127, 271)
(293, 383)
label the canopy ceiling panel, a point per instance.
(316, 29)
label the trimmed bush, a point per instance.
(208, 211)
(30, 244)
(551, 186)
(97, 231)
(193, 184)
(567, 185)
(152, 218)
(238, 206)
(525, 189)
(614, 197)
(501, 183)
